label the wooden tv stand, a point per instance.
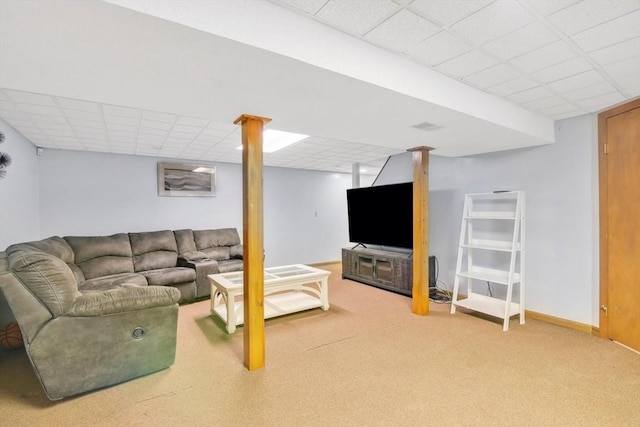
(387, 270)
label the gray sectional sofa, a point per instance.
(96, 311)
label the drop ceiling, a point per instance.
(167, 79)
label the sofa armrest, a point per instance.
(236, 251)
(123, 300)
(203, 269)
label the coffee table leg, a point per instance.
(324, 291)
(231, 313)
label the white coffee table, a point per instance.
(287, 289)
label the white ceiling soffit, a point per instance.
(405, 92)
(360, 76)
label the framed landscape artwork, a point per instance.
(186, 179)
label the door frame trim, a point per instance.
(603, 212)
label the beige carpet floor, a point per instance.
(368, 361)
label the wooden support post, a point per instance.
(420, 290)
(253, 240)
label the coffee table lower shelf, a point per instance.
(274, 306)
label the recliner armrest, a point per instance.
(123, 300)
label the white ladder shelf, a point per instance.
(492, 244)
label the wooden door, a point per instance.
(619, 135)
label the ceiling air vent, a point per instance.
(427, 127)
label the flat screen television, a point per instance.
(381, 215)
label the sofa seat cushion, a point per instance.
(170, 276)
(230, 265)
(113, 281)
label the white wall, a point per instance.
(18, 190)
(100, 194)
(18, 199)
(561, 186)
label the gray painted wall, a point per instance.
(19, 202)
(561, 186)
(91, 194)
(100, 194)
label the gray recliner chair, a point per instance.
(79, 341)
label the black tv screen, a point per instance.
(381, 215)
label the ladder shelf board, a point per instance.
(490, 275)
(488, 305)
(491, 215)
(493, 245)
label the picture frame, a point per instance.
(186, 179)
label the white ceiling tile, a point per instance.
(46, 118)
(307, 6)
(559, 109)
(402, 31)
(602, 101)
(153, 124)
(447, 12)
(467, 64)
(75, 104)
(626, 73)
(439, 48)
(40, 109)
(9, 106)
(529, 95)
(83, 115)
(588, 91)
(153, 131)
(13, 115)
(562, 70)
(543, 57)
(617, 52)
(115, 110)
(192, 121)
(30, 98)
(512, 86)
(158, 117)
(4, 96)
(520, 41)
(86, 123)
(618, 30)
(538, 104)
(120, 120)
(547, 7)
(192, 130)
(492, 76)
(495, 20)
(577, 81)
(356, 16)
(588, 14)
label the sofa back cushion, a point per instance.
(184, 241)
(153, 250)
(220, 237)
(57, 247)
(100, 256)
(47, 277)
